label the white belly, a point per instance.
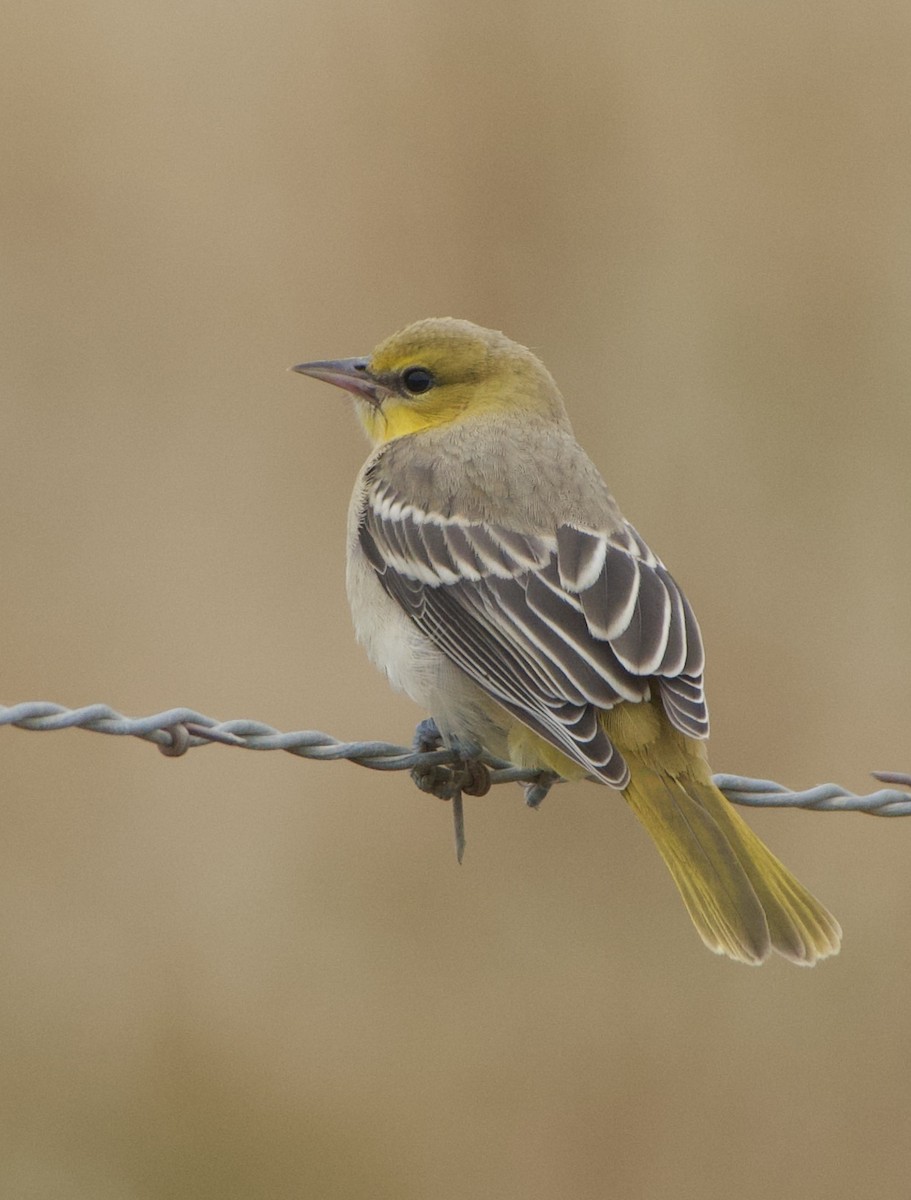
(415, 666)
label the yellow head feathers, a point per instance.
(440, 371)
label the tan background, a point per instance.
(240, 975)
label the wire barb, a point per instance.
(178, 730)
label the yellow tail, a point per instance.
(741, 899)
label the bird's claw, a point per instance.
(427, 736)
(470, 775)
(536, 791)
(435, 779)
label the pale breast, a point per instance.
(413, 665)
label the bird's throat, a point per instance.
(392, 419)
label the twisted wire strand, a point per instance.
(177, 730)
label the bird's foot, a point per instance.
(427, 736)
(434, 778)
(537, 790)
(469, 775)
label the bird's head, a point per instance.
(438, 372)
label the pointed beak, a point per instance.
(348, 373)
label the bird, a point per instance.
(492, 577)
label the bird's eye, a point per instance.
(418, 380)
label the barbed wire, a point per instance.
(442, 772)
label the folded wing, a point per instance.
(552, 626)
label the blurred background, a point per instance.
(240, 975)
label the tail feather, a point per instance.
(801, 928)
(741, 899)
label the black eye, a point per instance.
(418, 380)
